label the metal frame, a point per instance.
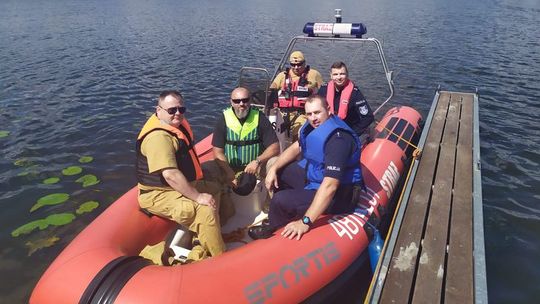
(479, 254)
(266, 87)
(388, 73)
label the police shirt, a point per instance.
(359, 113)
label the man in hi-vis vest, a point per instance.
(244, 140)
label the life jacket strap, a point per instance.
(243, 142)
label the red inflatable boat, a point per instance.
(101, 265)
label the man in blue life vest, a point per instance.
(170, 177)
(325, 180)
(243, 141)
(346, 100)
(295, 85)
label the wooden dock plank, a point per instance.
(400, 276)
(459, 278)
(430, 258)
(431, 267)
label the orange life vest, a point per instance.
(344, 99)
(294, 92)
(186, 157)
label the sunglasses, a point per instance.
(297, 64)
(243, 100)
(173, 110)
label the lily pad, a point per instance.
(29, 174)
(51, 199)
(23, 162)
(4, 134)
(73, 170)
(30, 170)
(51, 180)
(40, 244)
(85, 159)
(29, 227)
(58, 219)
(88, 180)
(87, 207)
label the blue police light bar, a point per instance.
(335, 29)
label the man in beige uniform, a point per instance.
(170, 178)
(295, 85)
(297, 69)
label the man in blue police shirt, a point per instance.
(323, 181)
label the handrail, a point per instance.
(388, 73)
(266, 86)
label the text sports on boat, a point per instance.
(102, 264)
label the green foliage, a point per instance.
(87, 207)
(36, 245)
(60, 219)
(29, 227)
(73, 170)
(31, 170)
(51, 180)
(88, 180)
(51, 199)
(85, 159)
(4, 133)
(53, 219)
(23, 162)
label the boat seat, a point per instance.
(178, 245)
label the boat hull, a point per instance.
(273, 270)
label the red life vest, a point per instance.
(186, 157)
(344, 99)
(294, 92)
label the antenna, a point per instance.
(338, 15)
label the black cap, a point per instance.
(246, 183)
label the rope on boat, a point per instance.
(235, 235)
(417, 151)
(416, 154)
(239, 234)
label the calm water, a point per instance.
(77, 78)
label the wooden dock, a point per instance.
(434, 252)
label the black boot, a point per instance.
(260, 232)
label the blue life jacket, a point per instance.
(312, 141)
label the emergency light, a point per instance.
(335, 29)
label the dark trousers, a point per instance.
(291, 201)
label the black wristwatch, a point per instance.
(306, 220)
